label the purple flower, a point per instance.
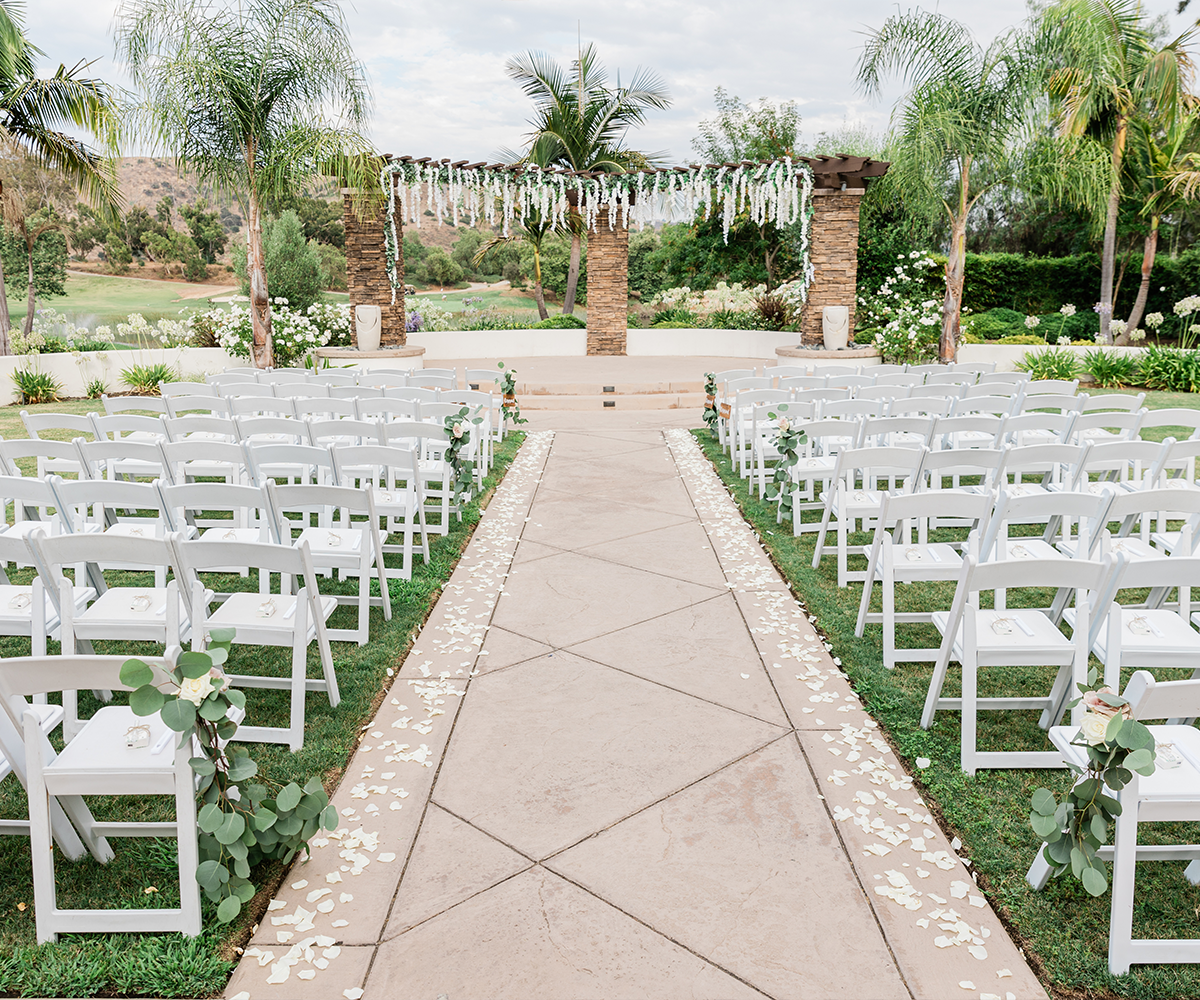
(414, 323)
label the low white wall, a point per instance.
(1006, 356)
(450, 345)
(707, 343)
(74, 371)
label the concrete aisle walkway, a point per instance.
(658, 783)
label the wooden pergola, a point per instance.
(835, 184)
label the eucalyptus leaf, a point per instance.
(1099, 828)
(1042, 824)
(210, 818)
(221, 636)
(1044, 802)
(1094, 881)
(288, 797)
(230, 907)
(194, 664)
(241, 768)
(202, 766)
(230, 829)
(136, 673)
(211, 710)
(179, 715)
(1141, 760)
(146, 700)
(211, 875)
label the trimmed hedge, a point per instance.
(560, 322)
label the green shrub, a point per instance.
(96, 388)
(675, 314)
(1170, 369)
(36, 387)
(994, 324)
(733, 319)
(1110, 368)
(1052, 363)
(560, 322)
(1028, 339)
(145, 379)
(670, 324)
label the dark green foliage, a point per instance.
(36, 387)
(438, 268)
(1110, 369)
(1166, 368)
(293, 265)
(320, 219)
(675, 314)
(733, 319)
(672, 324)
(560, 322)
(145, 379)
(206, 230)
(645, 264)
(117, 253)
(49, 261)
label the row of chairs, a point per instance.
(350, 375)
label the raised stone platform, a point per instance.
(386, 357)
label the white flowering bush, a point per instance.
(295, 335)
(429, 317)
(907, 322)
(723, 298)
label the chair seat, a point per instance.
(1165, 784)
(246, 612)
(393, 501)
(15, 612)
(1046, 645)
(1159, 633)
(122, 607)
(971, 439)
(97, 761)
(938, 561)
(219, 534)
(333, 542)
(134, 529)
(1026, 490)
(1030, 548)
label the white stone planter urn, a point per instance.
(835, 326)
(368, 322)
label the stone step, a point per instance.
(633, 401)
(537, 388)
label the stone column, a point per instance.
(607, 286)
(366, 270)
(833, 250)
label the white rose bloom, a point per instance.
(1094, 727)
(195, 689)
(458, 429)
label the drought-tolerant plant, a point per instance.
(672, 324)
(241, 825)
(733, 319)
(96, 387)
(36, 387)
(560, 322)
(1052, 363)
(675, 314)
(1109, 368)
(145, 379)
(1170, 369)
(774, 311)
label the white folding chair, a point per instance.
(323, 408)
(397, 487)
(895, 558)
(970, 430)
(980, 638)
(385, 408)
(429, 441)
(1169, 795)
(147, 406)
(168, 390)
(268, 617)
(382, 377)
(352, 547)
(816, 464)
(344, 431)
(1106, 425)
(200, 427)
(859, 481)
(274, 376)
(195, 405)
(429, 379)
(297, 463)
(1049, 387)
(118, 459)
(42, 458)
(297, 391)
(1003, 378)
(196, 458)
(96, 762)
(1172, 418)
(331, 378)
(28, 610)
(259, 406)
(37, 424)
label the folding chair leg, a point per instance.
(816, 563)
(1124, 872)
(970, 709)
(299, 675)
(936, 682)
(842, 560)
(1039, 872)
(188, 849)
(39, 839)
(889, 621)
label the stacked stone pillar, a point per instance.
(833, 249)
(366, 269)
(607, 285)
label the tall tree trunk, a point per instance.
(956, 262)
(1109, 254)
(573, 271)
(5, 319)
(260, 306)
(27, 328)
(538, 294)
(1139, 306)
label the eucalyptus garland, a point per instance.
(710, 402)
(779, 192)
(788, 440)
(511, 409)
(462, 470)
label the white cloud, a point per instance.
(437, 70)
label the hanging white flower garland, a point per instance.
(779, 192)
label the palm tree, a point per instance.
(34, 111)
(256, 97)
(956, 128)
(580, 123)
(1159, 162)
(1104, 73)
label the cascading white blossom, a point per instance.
(779, 192)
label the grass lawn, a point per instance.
(1063, 930)
(96, 299)
(500, 298)
(169, 965)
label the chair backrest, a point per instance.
(879, 430)
(802, 382)
(412, 393)
(114, 427)
(730, 374)
(925, 370)
(60, 452)
(71, 424)
(1153, 699)
(301, 390)
(938, 406)
(308, 499)
(308, 461)
(248, 505)
(381, 377)
(882, 393)
(970, 423)
(895, 378)
(899, 508)
(1058, 424)
(1123, 423)
(324, 433)
(938, 390)
(355, 391)
(212, 405)
(211, 454)
(104, 497)
(468, 397)
(279, 375)
(271, 430)
(213, 428)
(194, 556)
(875, 463)
(836, 371)
(1089, 509)
(955, 377)
(820, 395)
(382, 464)
(427, 379)
(325, 406)
(1056, 402)
(999, 405)
(169, 389)
(987, 463)
(146, 405)
(785, 371)
(1173, 417)
(94, 456)
(1168, 572)
(886, 369)
(226, 380)
(440, 411)
(1125, 461)
(977, 367)
(332, 378)
(1000, 390)
(1050, 386)
(481, 376)
(247, 389)
(851, 409)
(385, 408)
(850, 381)
(743, 400)
(1081, 575)
(1059, 464)
(256, 406)
(738, 385)
(999, 378)
(1115, 401)
(53, 552)
(25, 676)
(33, 494)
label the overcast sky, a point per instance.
(437, 68)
